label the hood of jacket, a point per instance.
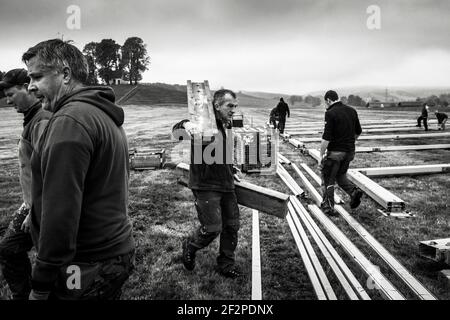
(97, 96)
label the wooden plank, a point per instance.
(283, 159)
(444, 277)
(435, 249)
(286, 177)
(311, 173)
(256, 258)
(336, 263)
(312, 255)
(395, 265)
(320, 293)
(403, 148)
(296, 143)
(383, 197)
(389, 136)
(200, 107)
(337, 199)
(255, 197)
(391, 129)
(404, 170)
(380, 281)
(314, 153)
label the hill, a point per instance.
(395, 94)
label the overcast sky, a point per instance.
(285, 46)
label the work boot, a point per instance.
(327, 210)
(232, 273)
(188, 256)
(355, 199)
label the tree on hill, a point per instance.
(355, 100)
(90, 53)
(294, 99)
(1, 75)
(108, 58)
(134, 60)
(314, 101)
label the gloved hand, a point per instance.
(38, 295)
(191, 128)
(19, 217)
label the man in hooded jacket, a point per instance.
(79, 221)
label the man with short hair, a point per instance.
(213, 189)
(442, 119)
(79, 219)
(16, 243)
(337, 150)
(283, 110)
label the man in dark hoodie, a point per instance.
(283, 110)
(213, 189)
(79, 221)
(17, 241)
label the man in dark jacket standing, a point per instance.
(424, 117)
(342, 128)
(79, 220)
(213, 188)
(283, 110)
(17, 241)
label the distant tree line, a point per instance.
(442, 100)
(109, 60)
(314, 101)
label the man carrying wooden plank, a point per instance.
(214, 190)
(342, 128)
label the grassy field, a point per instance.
(162, 214)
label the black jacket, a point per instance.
(440, 116)
(424, 112)
(217, 176)
(80, 185)
(283, 109)
(341, 127)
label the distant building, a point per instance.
(117, 81)
(381, 104)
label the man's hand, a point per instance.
(26, 224)
(237, 174)
(191, 128)
(321, 161)
(38, 295)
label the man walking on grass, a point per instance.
(79, 221)
(337, 150)
(16, 243)
(213, 189)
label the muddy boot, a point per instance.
(327, 204)
(355, 199)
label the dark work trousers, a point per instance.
(274, 123)
(334, 169)
(16, 266)
(100, 280)
(425, 122)
(218, 213)
(281, 124)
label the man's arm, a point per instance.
(323, 149)
(288, 112)
(64, 165)
(358, 129)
